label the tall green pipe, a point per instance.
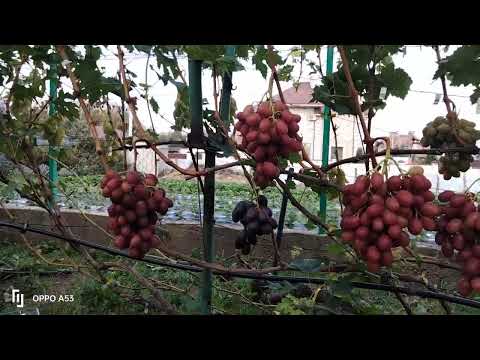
(326, 141)
(195, 86)
(52, 151)
(196, 140)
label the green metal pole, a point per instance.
(196, 137)
(52, 151)
(326, 141)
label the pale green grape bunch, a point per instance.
(442, 133)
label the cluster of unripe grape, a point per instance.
(446, 132)
(256, 220)
(267, 133)
(378, 214)
(133, 213)
(459, 231)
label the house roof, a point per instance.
(299, 96)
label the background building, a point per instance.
(311, 127)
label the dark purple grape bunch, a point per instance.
(256, 221)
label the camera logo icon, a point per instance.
(16, 297)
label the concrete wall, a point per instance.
(184, 236)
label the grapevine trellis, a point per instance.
(267, 130)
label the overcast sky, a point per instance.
(410, 114)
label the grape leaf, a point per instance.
(282, 163)
(154, 105)
(335, 249)
(291, 184)
(475, 96)
(294, 158)
(306, 265)
(144, 48)
(258, 60)
(462, 68)
(285, 73)
(396, 80)
(310, 225)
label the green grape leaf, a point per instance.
(341, 288)
(322, 95)
(310, 225)
(396, 80)
(310, 47)
(242, 51)
(154, 105)
(228, 63)
(282, 163)
(463, 66)
(294, 158)
(306, 265)
(285, 73)
(291, 184)
(259, 59)
(144, 48)
(335, 249)
(206, 53)
(475, 95)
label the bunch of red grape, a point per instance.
(133, 213)
(459, 229)
(255, 220)
(377, 212)
(268, 132)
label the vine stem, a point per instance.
(446, 99)
(388, 156)
(438, 151)
(451, 114)
(314, 218)
(195, 165)
(159, 301)
(215, 266)
(275, 74)
(88, 116)
(402, 301)
(110, 120)
(146, 93)
(354, 95)
(473, 183)
(30, 246)
(423, 281)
